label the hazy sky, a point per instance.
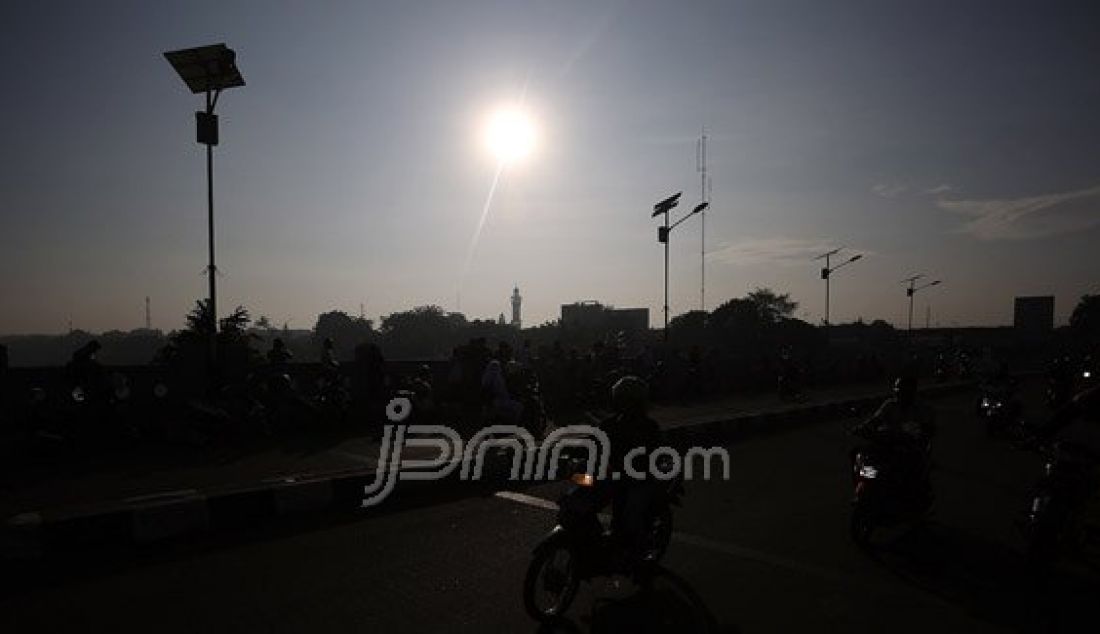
(957, 139)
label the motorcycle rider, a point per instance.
(278, 357)
(1077, 428)
(502, 407)
(1003, 382)
(1059, 381)
(330, 366)
(628, 430)
(902, 427)
(86, 372)
(1078, 421)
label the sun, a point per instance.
(510, 134)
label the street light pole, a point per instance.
(663, 233)
(211, 270)
(208, 70)
(912, 290)
(666, 275)
(664, 207)
(910, 328)
(827, 273)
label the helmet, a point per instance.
(629, 395)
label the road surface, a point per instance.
(766, 551)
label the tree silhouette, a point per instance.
(772, 306)
(345, 331)
(424, 330)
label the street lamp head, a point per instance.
(700, 207)
(855, 257)
(206, 68)
(936, 282)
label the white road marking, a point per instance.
(529, 500)
(162, 496)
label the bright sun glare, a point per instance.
(510, 135)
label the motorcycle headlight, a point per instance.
(868, 471)
(78, 394)
(583, 479)
(1086, 374)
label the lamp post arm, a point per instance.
(850, 260)
(680, 221)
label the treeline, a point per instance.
(424, 332)
(762, 322)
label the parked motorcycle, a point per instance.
(580, 547)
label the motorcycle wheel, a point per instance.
(551, 583)
(861, 526)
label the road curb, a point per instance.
(173, 515)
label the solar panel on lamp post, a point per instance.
(208, 70)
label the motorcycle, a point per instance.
(533, 412)
(999, 409)
(89, 411)
(332, 400)
(1059, 392)
(1053, 521)
(789, 386)
(884, 494)
(581, 548)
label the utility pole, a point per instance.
(148, 315)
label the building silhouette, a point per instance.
(1034, 315)
(596, 318)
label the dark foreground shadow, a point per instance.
(992, 581)
(671, 605)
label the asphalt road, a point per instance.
(766, 551)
